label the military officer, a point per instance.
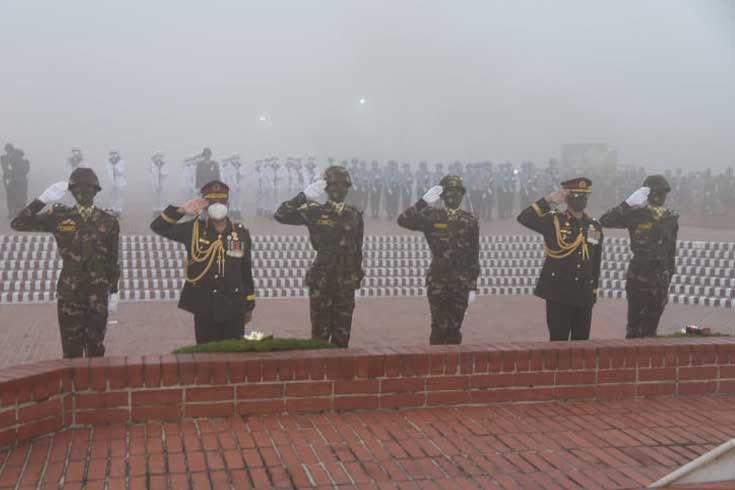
(76, 159)
(653, 231)
(87, 239)
(423, 179)
(406, 185)
(233, 172)
(159, 174)
(207, 169)
(571, 271)
(453, 236)
(117, 173)
(438, 174)
(377, 184)
(310, 170)
(218, 289)
(335, 232)
(15, 178)
(392, 189)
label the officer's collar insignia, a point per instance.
(338, 206)
(452, 212)
(85, 211)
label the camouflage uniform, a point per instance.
(653, 233)
(87, 240)
(335, 232)
(454, 239)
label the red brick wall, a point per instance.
(44, 397)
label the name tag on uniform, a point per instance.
(645, 226)
(440, 225)
(68, 225)
(593, 235)
(325, 222)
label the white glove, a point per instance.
(639, 198)
(433, 194)
(472, 298)
(55, 192)
(112, 303)
(313, 191)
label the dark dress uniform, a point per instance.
(406, 186)
(207, 171)
(15, 179)
(653, 233)
(454, 239)
(87, 240)
(336, 233)
(571, 272)
(376, 181)
(218, 288)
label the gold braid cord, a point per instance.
(215, 251)
(567, 249)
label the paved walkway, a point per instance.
(30, 332)
(590, 446)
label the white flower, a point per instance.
(255, 335)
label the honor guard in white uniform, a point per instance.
(159, 173)
(118, 176)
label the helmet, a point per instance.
(84, 175)
(452, 182)
(657, 182)
(337, 173)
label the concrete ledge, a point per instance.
(45, 397)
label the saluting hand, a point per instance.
(193, 207)
(557, 197)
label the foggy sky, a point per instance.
(509, 80)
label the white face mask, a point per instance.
(217, 211)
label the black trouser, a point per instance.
(565, 320)
(207, 329)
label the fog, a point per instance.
(441, 80)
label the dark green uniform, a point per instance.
(87, 240)
(219, 288)
(454, 239)
(336, 272)
(571, 271)
(653, 233)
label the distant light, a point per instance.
(515, 171)
(262, 118)
(362, 101)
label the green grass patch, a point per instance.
(266, 345)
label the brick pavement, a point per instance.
(623, 445)
(30, 332)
